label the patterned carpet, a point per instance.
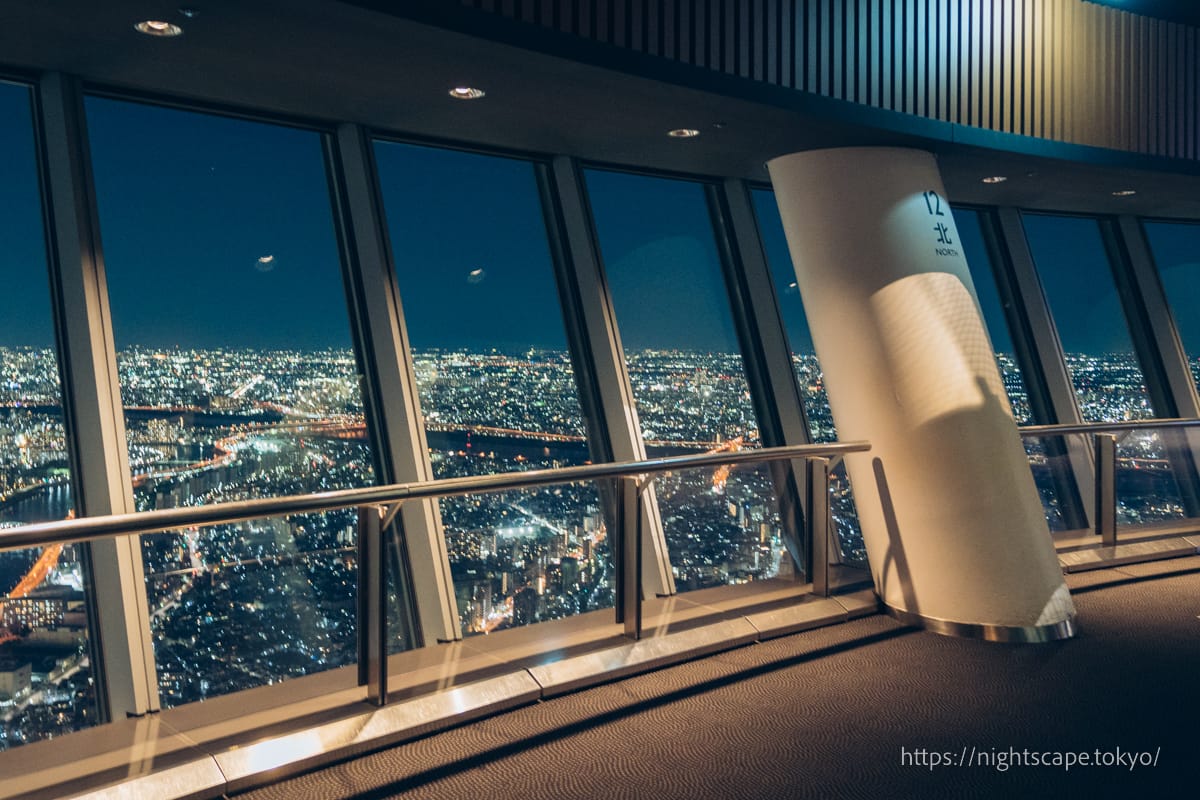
(831, 713)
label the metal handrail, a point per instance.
(83, 529)
(377, 506)
(1107, 427)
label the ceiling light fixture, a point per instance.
(157, 27)
(683, 133)
(995, 179)
(1124, 193)
(466, 93)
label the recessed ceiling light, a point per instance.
(466, 93)
(995, 179)
(190, 13)
(1124, 193)
(157, 27)
(684, 133)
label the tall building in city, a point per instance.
(257, 256)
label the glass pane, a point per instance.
(1078, 282)
(721, 526)
(495, 382)
(238, 381)
(1176, 249)
(808, 371)
(46, 682)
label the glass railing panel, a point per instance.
(1147, 489)
(726, 525)
(1051, 467)
(528, 556)
(1148, 464)
(249, 604)
(47, 685)
(852, 549)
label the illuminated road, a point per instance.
(46, 562)
(540, 520)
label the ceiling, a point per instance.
(325, 62)
(1185, 12)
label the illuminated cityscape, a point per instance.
(237, 606)
(396, 254)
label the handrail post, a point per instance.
(372, 605)
(816, 520)
(1105, 516)
(629, 551)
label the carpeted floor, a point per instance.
(832, 713)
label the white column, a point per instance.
(952, 521)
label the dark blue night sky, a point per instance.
(661, 262)
(970, 236)
(25, 299)
(216, 232)
(1078, 283)
(469, 241)
(1177, 252)
(783, 276)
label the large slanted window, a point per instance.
(238, 380)
(1077, 278)
(807, 368)
(689, 382)
(46, 678)
(495, 382)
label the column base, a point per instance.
(1023, 634)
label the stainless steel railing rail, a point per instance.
(1104, 446)
(1106, 427)
(91, 528)
(378, 505)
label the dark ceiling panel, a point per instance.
(327, 62)
(1185, 12)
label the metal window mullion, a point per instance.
(92, 409)
(765, 351)
(613, 399)
(1050, 376)
(390, 391)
